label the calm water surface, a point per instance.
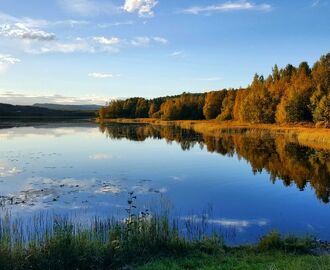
(243, 184)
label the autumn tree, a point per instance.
(102, 113)
(288, 95)
(321, 81)
(129, 107)
(169, 110)
(295, 104)
(258, 106)
(238, 106)
(185, 107)
(322, 112)
(227, 108)
(142, 108)
(213, 104)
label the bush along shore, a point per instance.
(145, 241)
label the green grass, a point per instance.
(272, 252)
(141, 241)
(241, 260)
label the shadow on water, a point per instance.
(284, 159)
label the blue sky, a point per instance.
(88, 51)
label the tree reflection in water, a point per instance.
(283, 158)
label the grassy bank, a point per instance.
(142, 242)
(241, 260)
(306, 135)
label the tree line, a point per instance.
(18, 111)
(288, 95)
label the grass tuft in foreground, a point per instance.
(141, 241)
(106, 244)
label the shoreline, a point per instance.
(148, 242)
(309, 136)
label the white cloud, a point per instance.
(110, 187)
(59, 47)
(6, 170)
(22, 31)
(143, 7)
(90, 45)
(237, 223)
(140, 41)
(29, 30)
(26, 21)
(177, 53)
(145, 41)
(107, 41)
(20, 98)
(79, 45)
(7, 60)
(100, 156)
(98, 75)
(107, 25)
(24, 28)
(177, 178)
(25, 34)
(228, 6)
(160, 40)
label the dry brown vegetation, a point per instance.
(306, 134)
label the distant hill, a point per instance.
(68, 107)
(12, 111)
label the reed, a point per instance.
(52, 242)
(57, 242)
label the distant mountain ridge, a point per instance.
(8, 110)
(62, 107)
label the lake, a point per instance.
(241, 184)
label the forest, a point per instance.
(288, 95)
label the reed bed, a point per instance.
(45, 242)
(53, 242)
(58, 242)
